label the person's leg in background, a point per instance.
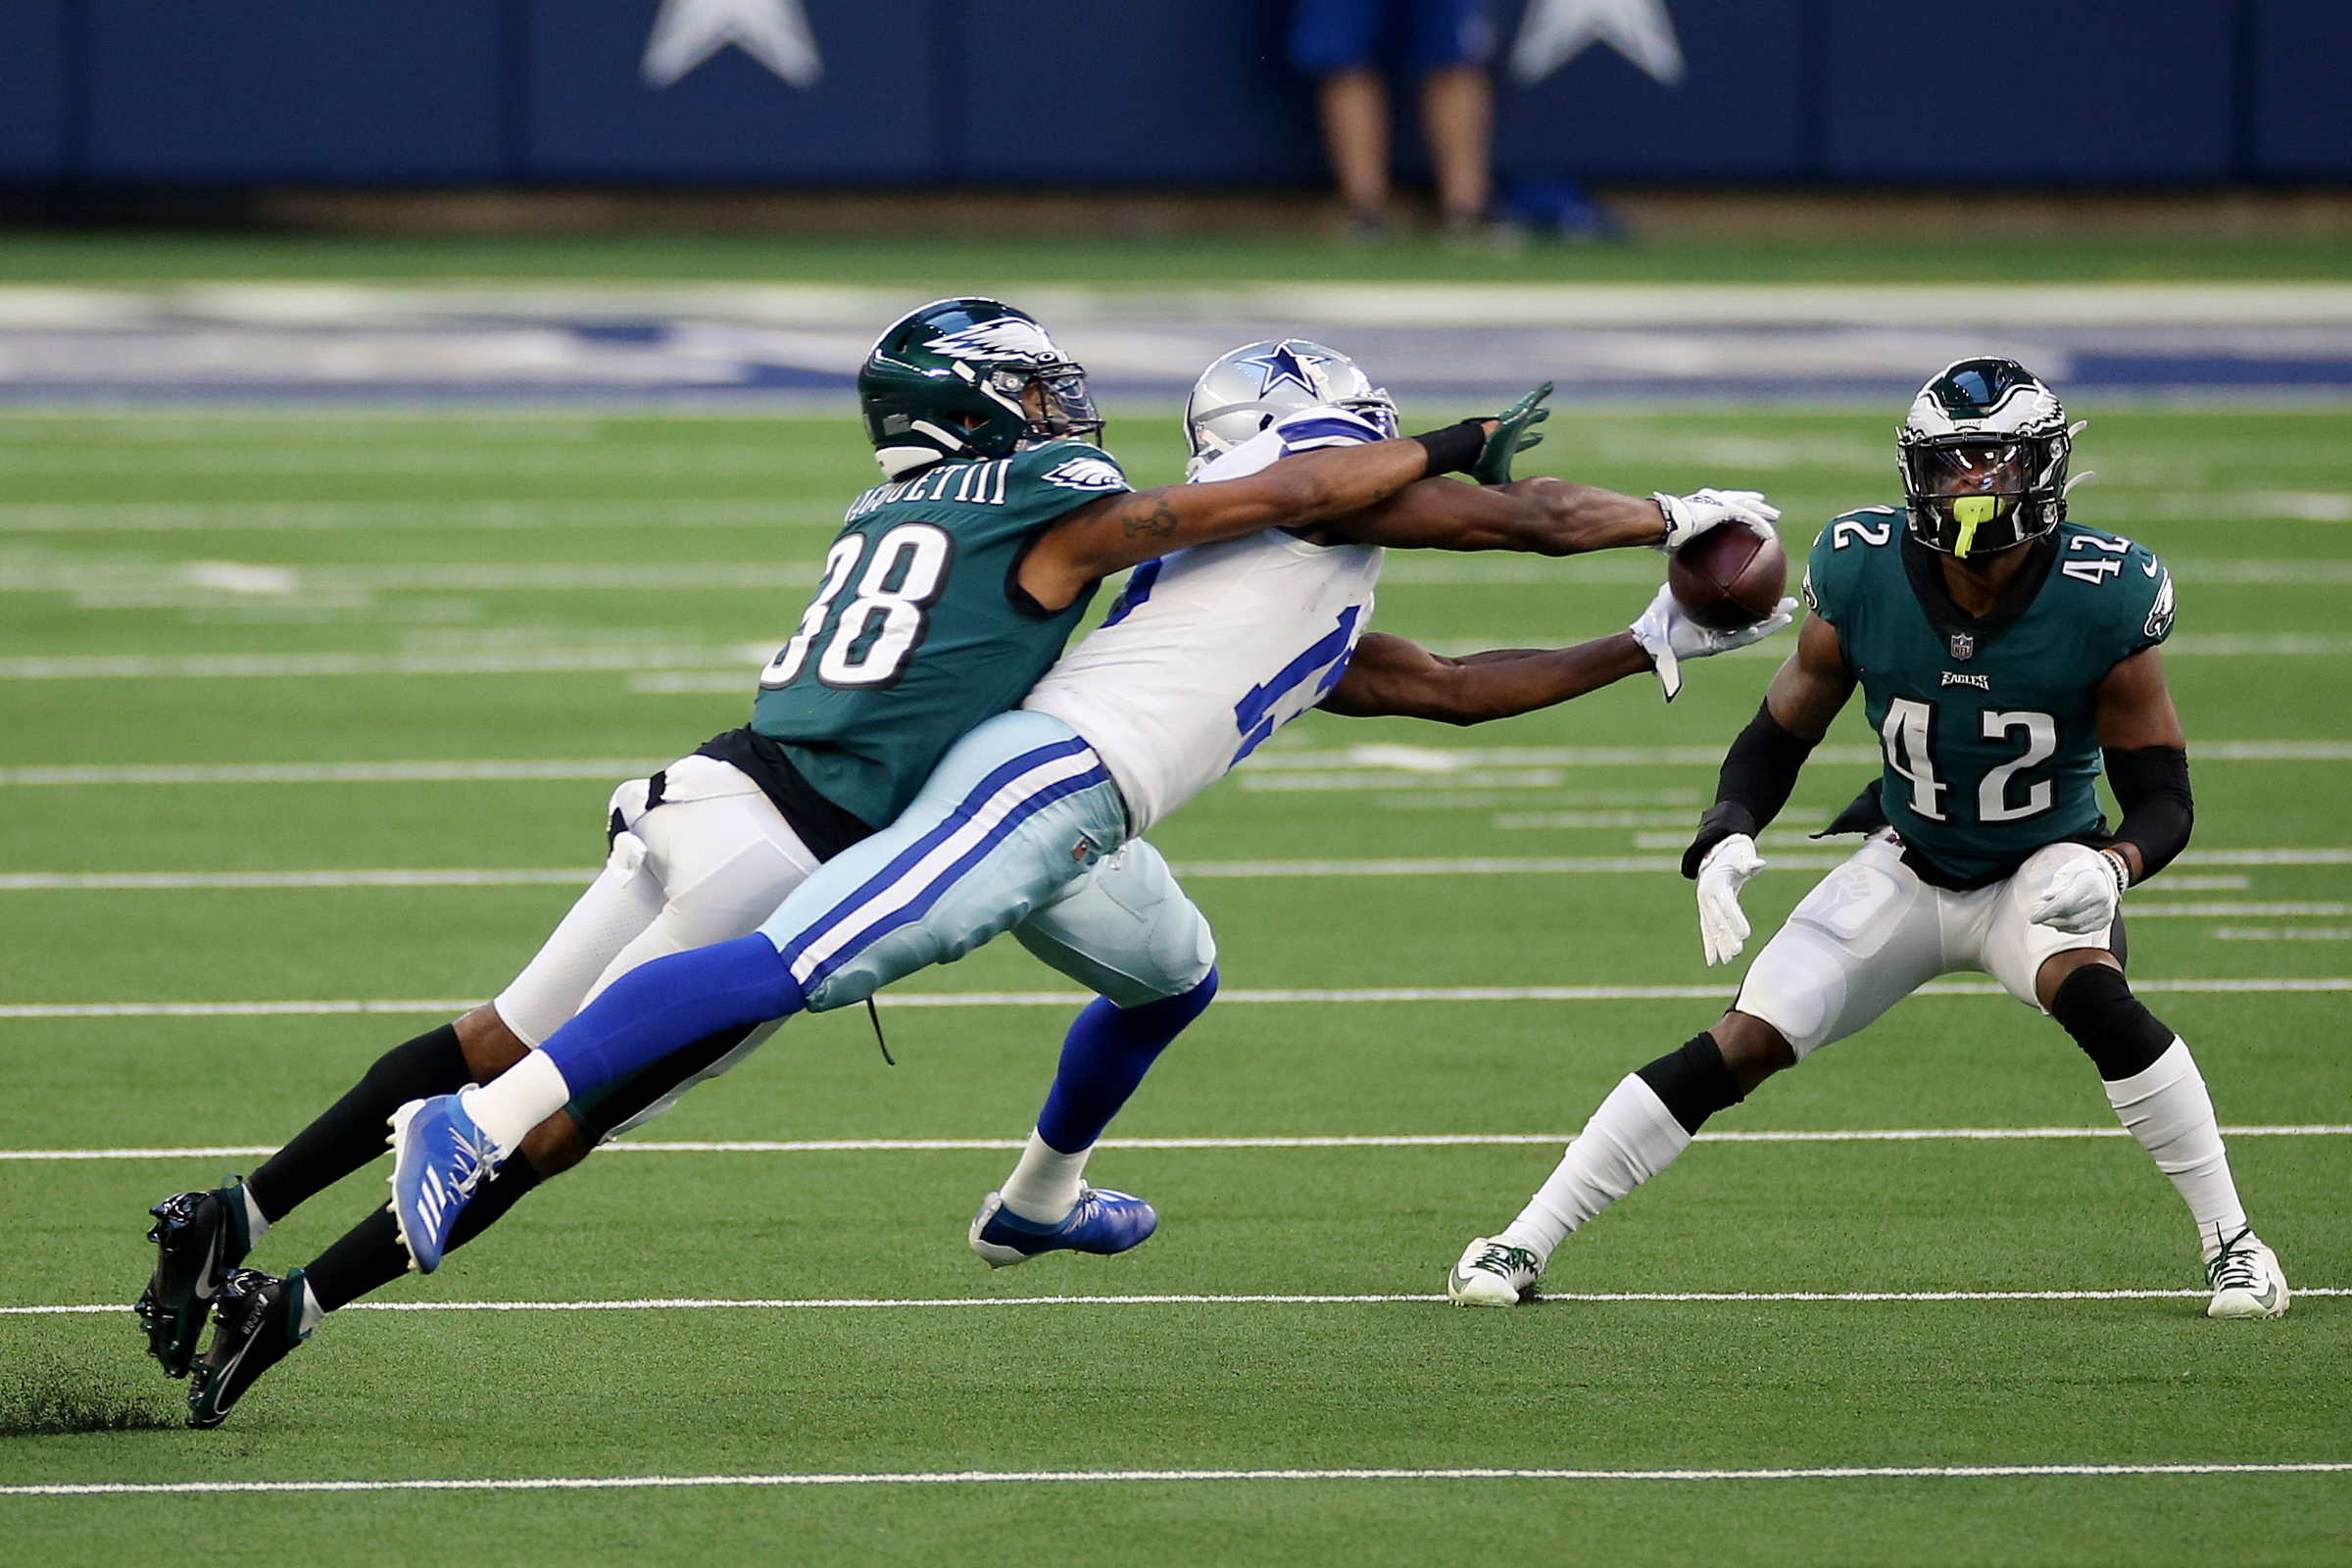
(1337, 42)
(1447, 45)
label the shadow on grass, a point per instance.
(45, 1397)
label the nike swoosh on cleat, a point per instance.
(2268, 1299)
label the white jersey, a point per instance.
(1210, 650)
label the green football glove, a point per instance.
(1512, 437)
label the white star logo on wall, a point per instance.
(774, 33)
(1553, 32)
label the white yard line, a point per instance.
(1360, 768)
(1200, 871)
(86, 774)
(692, 1303)
(1066, 999)
(919, 1146)
(519, 661)
(910, 1478)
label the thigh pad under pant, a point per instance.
(1125, 930)
(1866, 937)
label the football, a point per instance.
(1728, 577)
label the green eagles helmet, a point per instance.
(1983, 457)
(968, 378)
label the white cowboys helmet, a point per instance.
(1983, 457)
(1245, 391)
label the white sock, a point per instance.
(2167, 1108)
(1044, 1187)
(257, 1223)
(1630, 1139)
(312, 1312)
(517, 1101)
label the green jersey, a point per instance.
(920, 630)
(1989, 724)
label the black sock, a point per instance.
(354, 1129)
(369, 1255)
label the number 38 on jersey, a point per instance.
(899, 576)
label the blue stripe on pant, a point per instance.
(1014, 813)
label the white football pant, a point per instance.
(1872, 932)
(710, 863)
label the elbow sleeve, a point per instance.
(2151, 785)
(1758, 772)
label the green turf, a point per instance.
(113, 507)
(986, 262)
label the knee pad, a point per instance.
(2114, 1027)
(1693, 1083)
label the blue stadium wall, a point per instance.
(1169, 92)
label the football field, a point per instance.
(307, 724)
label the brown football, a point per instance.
(1727, 578)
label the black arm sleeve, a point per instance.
(2151, 785)
(1758, 772)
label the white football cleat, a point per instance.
(2246, 1280)
(1493, 1273)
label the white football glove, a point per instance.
(1668, 635)
(1689, 517)
(1722, 927)
(2082, 896)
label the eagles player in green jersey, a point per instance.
(949, 589)
(2000, 650)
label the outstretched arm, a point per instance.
(1536, 517)
(1390, 676)
(1121, 531)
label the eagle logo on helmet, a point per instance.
(1007, 339)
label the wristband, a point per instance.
(1724, 819)
(1456, 447)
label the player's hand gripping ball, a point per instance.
(1730, 578)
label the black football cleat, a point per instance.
(199, 1238)
(258, 1320)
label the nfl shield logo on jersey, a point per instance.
(1964, 645)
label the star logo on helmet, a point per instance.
(1278, 367)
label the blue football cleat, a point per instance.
(439, 1157)
(1103, 1222)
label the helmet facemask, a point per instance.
(1053, 399)
(1984, 457)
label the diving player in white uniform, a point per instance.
(1025, 825)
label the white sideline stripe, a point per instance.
(93, 881)
(691, 1304)
(1064, 998)
(520, 662)
(912, 1478)
(1424, 760)
(331, 772)
(1446, 759)
(1202, 870)
(916, 1146)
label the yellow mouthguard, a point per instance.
(1970, 511)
